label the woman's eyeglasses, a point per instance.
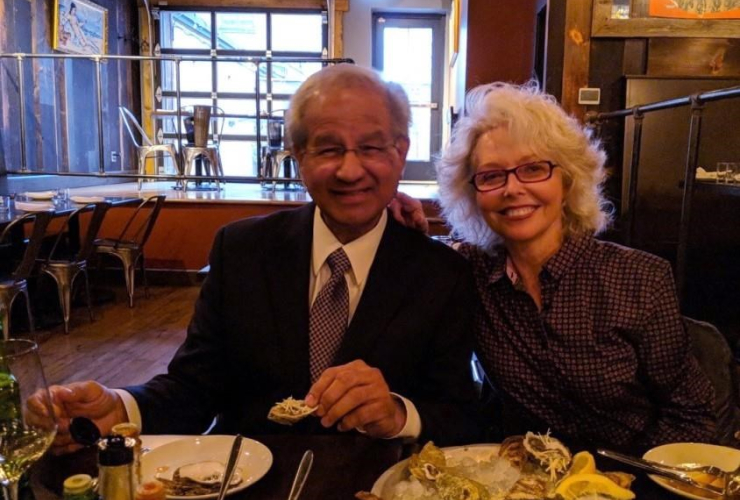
(488, 180)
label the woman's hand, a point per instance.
(409, 212)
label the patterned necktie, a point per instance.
(329, 314)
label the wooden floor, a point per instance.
(122, 346)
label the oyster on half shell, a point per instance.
(207, 473)
(290, 411)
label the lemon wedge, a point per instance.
(579, 485)
(583, 463)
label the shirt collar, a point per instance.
(555, 267)
(361, 252)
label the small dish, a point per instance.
(692, 453)
(255, 459)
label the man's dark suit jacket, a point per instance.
(247, 344)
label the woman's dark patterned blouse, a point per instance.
(606, 361)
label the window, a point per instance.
(233, 85)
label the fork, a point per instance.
(731, 489)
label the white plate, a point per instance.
(384, 485)
(692, 453)
(41, 195)
(254, 461)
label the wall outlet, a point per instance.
(589, 96)
(114, 156)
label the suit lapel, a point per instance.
(287, 267)
(382, 297)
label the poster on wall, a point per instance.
(695, 9)
(80, 27)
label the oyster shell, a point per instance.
(454, 487)
(290, 411)
(207, 473)
(429, 463)
(512, 449)
(551, 454)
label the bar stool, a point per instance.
(147, 149)
(208, 124)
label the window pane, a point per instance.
(297, 32)
(195, 76)
(236, 77)
(413, 73)
(240, 126)
(185, 30)
(239, 157)
(241, 31)
(287, 77)
(237, 106)
(419, 134)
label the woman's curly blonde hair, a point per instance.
(536, 121)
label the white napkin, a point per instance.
(32, 206)
(87, 199)
(41, 195)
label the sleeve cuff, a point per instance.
(412, 429)
(132, 408)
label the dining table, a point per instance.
(343, 465)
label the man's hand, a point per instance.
(409, 212)
(356, 396)
(80, 399)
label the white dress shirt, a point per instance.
(361, 253)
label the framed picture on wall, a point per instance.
(80, 27)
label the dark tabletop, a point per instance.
(343, 465)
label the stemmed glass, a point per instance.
(27, 422)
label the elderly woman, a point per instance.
(580, 336)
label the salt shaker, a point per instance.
(116, 468)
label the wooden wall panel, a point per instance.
(576, 56)
(694, 57)
(60, 95)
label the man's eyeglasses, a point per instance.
(366, 153)
(488, 180)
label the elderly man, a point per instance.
(336, 301)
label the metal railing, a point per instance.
(98, 60)
(696, 101)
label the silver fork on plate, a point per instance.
(731, 479)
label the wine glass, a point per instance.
(27, 422)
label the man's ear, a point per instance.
(403, 144)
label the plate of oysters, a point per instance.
(192, 468)
(530, 467)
